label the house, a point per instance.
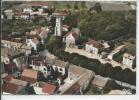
(96, 47)
(66, 28)
(11, 88)
(11, 85)
(29, 75)
(4, 55)
(9, 79)
(9, 13)
(93, 46)
(33, 43)
(18, 82)
(42, 33)
(99, 82)
(10, 68)
(23, 8)
(39, 66)
(70, 39)
(85, 76)
(74, 89)
(10, 44)
(49, 88)
(77, 31)
(128, 60)
(26, 49)
(59, 13)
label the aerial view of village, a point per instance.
(68, 48)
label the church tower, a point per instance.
(58, 27)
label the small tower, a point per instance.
(58, 27)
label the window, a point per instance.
(44, 69)
(61, 69)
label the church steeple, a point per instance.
(58, 27)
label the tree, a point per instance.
(68, 6)
(97, 7)
(76, 6)
(83, 5)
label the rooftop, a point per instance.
(95, 43)
(60, 63)
(30, 73)
(18, 82)
(10, 88)
(99, 81)
(4, 52)
(49, 88)
(129, 56)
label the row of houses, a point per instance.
(76, 79)
(28, 9)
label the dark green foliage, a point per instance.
(68, 6)
(76, 6)
(83, 6)
(97, 7)
(111, 85)
(107, 25)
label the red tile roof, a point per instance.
(29, 75)
(8, 78)
(73, 33)
(95, 43)
(49, 88)
(10, 88)
(66, 26)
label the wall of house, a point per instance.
(91, 49)
(29, 10)
(127, 62)
(31, 43)
(70, 40)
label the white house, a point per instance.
(93, 46)
(128, 60)
(33, 43)
(9, 13)
(39, 66)
(69, 39)
(4, 55)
